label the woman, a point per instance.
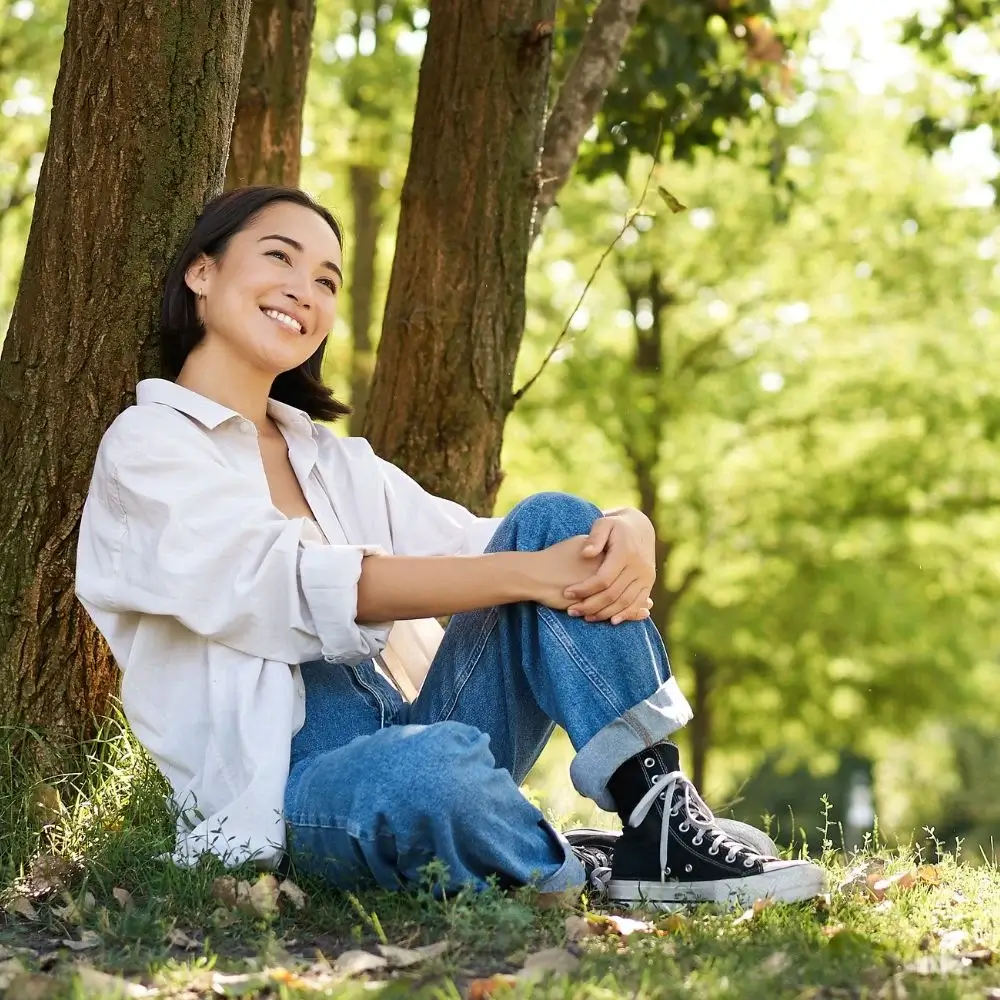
(245, 566)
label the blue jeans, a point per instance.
(379, 787)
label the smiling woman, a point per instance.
(248, 568)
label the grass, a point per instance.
(152, 929)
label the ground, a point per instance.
(89, 911)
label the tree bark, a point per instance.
(581, 96)
(366, 193)
(703, 669)
(455, 311)
(141, 122)
(267, 134)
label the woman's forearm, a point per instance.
(394, 588)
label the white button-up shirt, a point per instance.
(210, 597)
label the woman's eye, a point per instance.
(280, 254)
(329, 283)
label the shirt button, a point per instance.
(247, 427)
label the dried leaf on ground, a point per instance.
(599, 924)
(34, 986)
(929, 875)
(901, 881)
(979, 956)
(23, 907)
(479, 989)
(262, 899)
(354, 963)
(177, 938)
(101, 986)
(293, 893)
(775, 964)
(549, 961)
(862, 875)
(759, 906)
(938, 965)
(240, 985)
(122, 897)
(10, 969)
(224, 889)
(45, 804)
(402, 958)
(49, 873)
(75, 910)
(88, 939)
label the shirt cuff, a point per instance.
(329, 575)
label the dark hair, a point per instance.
(181, 330)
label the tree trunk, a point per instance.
(267, 133)
(455, 311)
(703, 669)
(366, 193)
(141, 120)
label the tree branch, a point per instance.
(581, 97)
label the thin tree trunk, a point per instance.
(703, 669)
(455, 311)
(366, 193)
(267, 134)
(141, 122)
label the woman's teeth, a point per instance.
(284, 319)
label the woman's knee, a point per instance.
(566, 513)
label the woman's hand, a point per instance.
(559, 567)
(618, 591)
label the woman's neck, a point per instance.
(229, 381)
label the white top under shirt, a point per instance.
(210, 597)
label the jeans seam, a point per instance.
(549, 618)
(489, 624)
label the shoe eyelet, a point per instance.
(713, 851)
(689, 868)
(698, 839)
(662, 795)
(748, 863)
(684, 827)
(730, 859)
(666, 872)
(648, 762)
(675, 812)
(656, 778)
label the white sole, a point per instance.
(785, 885)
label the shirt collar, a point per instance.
(208, 412)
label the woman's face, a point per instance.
(272, 297)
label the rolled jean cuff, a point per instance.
(570, 874)
(653, 719)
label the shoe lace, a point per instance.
(597, 865)
(680, 796)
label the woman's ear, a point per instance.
(197, 275)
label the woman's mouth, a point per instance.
(290, 323)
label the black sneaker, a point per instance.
(673, 849)
(594, 848)
(735, 829)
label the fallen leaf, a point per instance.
(239, 985)
(21, 905)
(50, 873)
(286, 977)
(578, 928)
(900, 881)
(938, 965)
(979, 956)
(402, 958)
(122, 897)
(775, 964)
(596, 924)
(99, 985)
(293, 894)
(224, 890)
(33, 986)
(759, 905)
(929, 875)
(479, 989)
(88, 940)
(953, 940)
(10, 969)
(862, 875)
(549, 961)
(353, 963)
(75, 911)
(221, 917)
(177, 938)
(671, 924)
(262, 898)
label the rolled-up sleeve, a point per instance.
(171, 529)
(423, 524)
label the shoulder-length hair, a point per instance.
(180, 328)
